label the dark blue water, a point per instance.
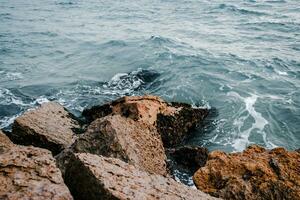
(240, 57)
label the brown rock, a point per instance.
(29, 173)
(190, 157)
(123, 138)
(256, 173)
(5, 142)
(49, 126)
(95, 177)
(172, 120)
(175, 127)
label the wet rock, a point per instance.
(172, 120)
(175, 127)
(96, 112)
(189, 157)
(50, 126)
(123, 138)
(255, 173)
(96, 177)
(29, 173)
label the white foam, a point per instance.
(281, 73)
(123, 83)
(6, 121)
(11, 76)
(259, 124)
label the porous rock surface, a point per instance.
(123, 138)
(189, 157)
(255, 173)
(29, 173)
(49, 126)
(96, 177)
(172, 120)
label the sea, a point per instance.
(239, 58)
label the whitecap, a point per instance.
(6, 121)
(258, 125)
(281, 73)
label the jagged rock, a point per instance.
(172, 120)
(29, 173)
(123, 138)
(50, 126)
(96, 177)
(189, 157)
(175, 127)
(255, 173)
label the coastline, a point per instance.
(134, 142)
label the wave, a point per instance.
(10, 76)
(127, 83)
(242, 11)
(247, 113)
(75, 98)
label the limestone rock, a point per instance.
(172, 120)
(49, 126)
(256, 173)
(123, 138)
(29, 173)
(96, 177)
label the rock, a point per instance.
(5, 143)
(29, 173)
(189, 157)
(255, 173)
(123, 138)
(49, 126)
(172, 120)
(96, 177)
(174, 128)
(97, 111)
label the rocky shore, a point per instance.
(122, 150)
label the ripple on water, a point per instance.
(233, 56)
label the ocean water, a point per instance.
(239, 58)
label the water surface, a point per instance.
(240, 57)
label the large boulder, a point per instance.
(95, 177)
(50, 126)
(123, 138)
(172, 120)
(29, 173)
(255, 173)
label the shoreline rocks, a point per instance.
(90, 177)
(49, 126)
(255, 173)
(29, 173)
(172, 120)
(189, 157)
(123, 155)
(118, 137)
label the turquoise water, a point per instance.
(240, 58)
